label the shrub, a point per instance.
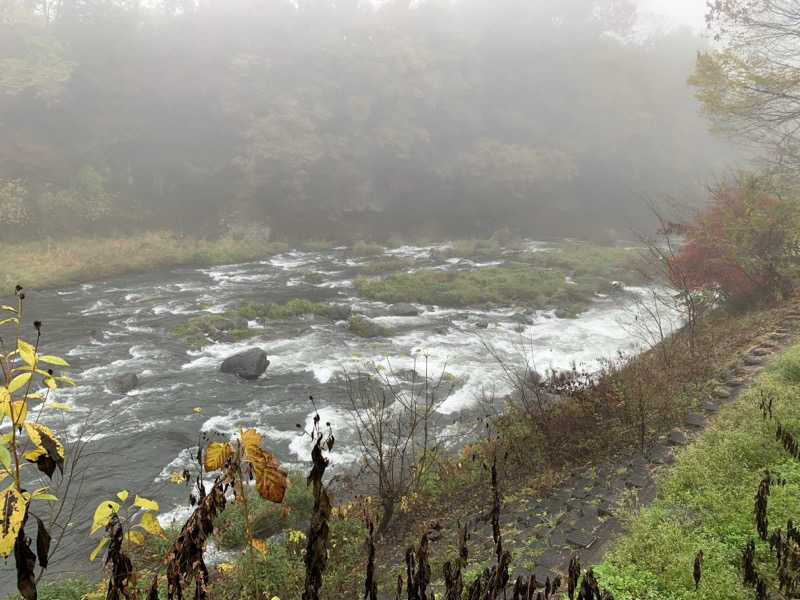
(744, 246)
(362, 248)
(268, 518)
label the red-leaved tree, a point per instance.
(745, 245)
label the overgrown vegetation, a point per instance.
(266, 518)
(707, 501)
(233, 324)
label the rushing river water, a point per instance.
(123, 324)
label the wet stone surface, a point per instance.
(709, 406)
(696, 420)
(638, 478)
(676, 438)
(721, 392)
(639, 461)
(580, 539)
(660, 454)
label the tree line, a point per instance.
(312, 116)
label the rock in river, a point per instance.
(339, 312)
(249, 364)
(403, 309)
(123, 383)
(366, 327)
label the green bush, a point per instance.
(788, 365)
(268, 517)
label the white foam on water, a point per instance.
(99, 307)
(290, 260)
(341, 423)
(343, 283)
(175, 307)
(227, 424)
(213, 354)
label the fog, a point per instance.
(344, 119)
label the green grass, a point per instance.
(362, 248)
(592, 261)
(47, 263)
(293, 308)
(536, 278)
(197, 330)
(68, 589)
(510, 284)
(387, 266)
(707, 502)
(268, 518)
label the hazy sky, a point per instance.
(671, 13)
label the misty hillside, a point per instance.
(441, 118)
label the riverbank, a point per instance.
(706, 501)
(49, 263)
(46, 263)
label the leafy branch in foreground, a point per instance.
(25, 442)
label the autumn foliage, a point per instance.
(744, 246)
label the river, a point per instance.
(123, 324)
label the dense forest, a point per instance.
(557, 118)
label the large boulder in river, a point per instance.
(403, 309)
(339, 312)
(123, 383)
(249, 364)
(366, 327)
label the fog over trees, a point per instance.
(338, 118)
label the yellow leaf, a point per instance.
(123, 495)
(57, 405)
(177, 478)
(102, 516)
(217, 454)
(35, 397)
(137, 537)
(20, 409)
(66, 380)
(53, 360)
(13, 507)
(96, 551)
(226, 567)
(260, 545)
(34, 454)
(271, 481)
(198, 409)
(50, 382)
(11, 320)
(18, 382)
(151, 525)
(251, 439)
(145, 503)
(27, 353)
(7, 307)
(44, 438)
